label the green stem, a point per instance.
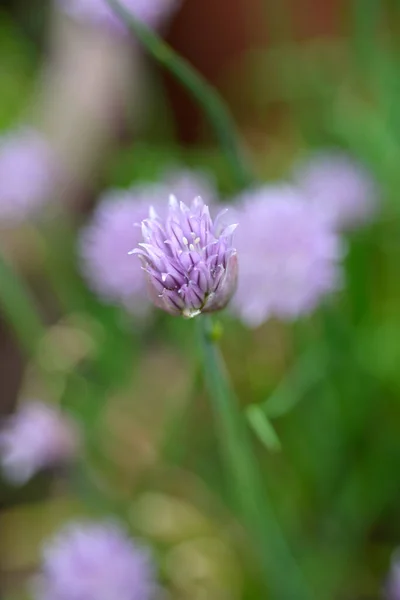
(207, 97)
(282, 574)
(18, 306)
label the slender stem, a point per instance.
(282, 574)
(18, 306)
(208, 98)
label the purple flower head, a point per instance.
(339, 187)
(152, 13)
(34, 438)
(190, 261)
(288, 256)
(88, 561)
(28, 173)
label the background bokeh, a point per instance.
(298, 76)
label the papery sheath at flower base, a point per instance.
(189, 259)
(95, 561)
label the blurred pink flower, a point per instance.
(339, 187)
(114, 230)
(28, 175)
(95, 561)
(36, 437)
(152, 13)
(288, 256)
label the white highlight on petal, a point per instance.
(173, 202)
(152, 213)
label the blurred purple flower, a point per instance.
(288, 256)
(339, 187)
(186, 184)
(28, 174)
(105, 244)
(190, 261)
(152, 13)
(87, 561)
(114, 229)
(34, 438)
(392, 588)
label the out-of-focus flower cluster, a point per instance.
(288, 240)
(289, 257)
(95, 561)
(338, 187)
(29, 174)
(105, 244)
(288, 243)
(152, 13)
(36, 437)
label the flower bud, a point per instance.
(190, 261)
